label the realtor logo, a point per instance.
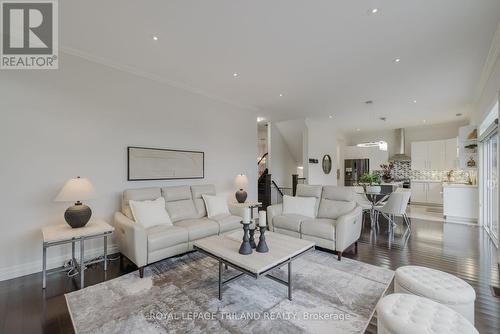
(29, 34)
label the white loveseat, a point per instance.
(328, 229)
(187, 211)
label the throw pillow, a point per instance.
(334, 209)
(304, 206)
(216, 205)
(150, 213)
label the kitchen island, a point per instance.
(460, 203)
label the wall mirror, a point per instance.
(327, 164)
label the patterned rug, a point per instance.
(179, 295)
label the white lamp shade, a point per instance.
(241, 181)
(76, 190)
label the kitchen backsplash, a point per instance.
(458, 175)
(402, 170)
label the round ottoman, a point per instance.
(439, 286)
(409, 314)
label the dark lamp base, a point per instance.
(77, 215)
(241, 196)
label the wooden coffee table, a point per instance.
(282, 251)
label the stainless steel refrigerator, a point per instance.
(353, 169)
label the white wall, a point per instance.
(321, 139)
(282, 164)
(78, 121)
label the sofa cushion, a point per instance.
(227, 222)
(306, 190)
(163, 236)
(216, 205)
(338, 193)
(179, 204)
(199, 228)
(321, 228)
(140, 194)
(197, 192)
(334, 209)
(289, 222)
(150, 213)
(304, 206)
(176, 193)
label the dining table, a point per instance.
(376, 198)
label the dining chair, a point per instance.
(395, 206)
(362, 201)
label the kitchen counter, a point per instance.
(427, 181)
(461, 203)
(458, 185)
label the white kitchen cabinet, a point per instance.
(451, 153)
(418, 192)
(434, 155)
(419, 155)
(434, 193)
(427, 192)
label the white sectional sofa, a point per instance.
(187, 211)
(337, 220)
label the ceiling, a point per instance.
(326, 57)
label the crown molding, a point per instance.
(489, 65)
(153, 77)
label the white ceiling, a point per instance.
(325, 56)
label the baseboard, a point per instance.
(52, 262)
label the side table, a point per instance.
(61, 234)
(249, 204)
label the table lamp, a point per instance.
(241, 182)
(77, 190)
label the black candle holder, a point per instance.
(262, 246)
(251, 231)
(245, 247)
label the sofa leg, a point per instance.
(141, 272)
(356, 247)
(339, 256)
(121, 261)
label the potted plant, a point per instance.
(371, 182)
(387, 169)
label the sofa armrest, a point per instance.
(132, 239)
(273, 211)
(348, 229)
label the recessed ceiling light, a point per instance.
(358, 129)
(281, 94)
(424, 121)
(374, 10)
(414, 101)
(155, 38)
(397, 60)
(331, 116)
(235, 74)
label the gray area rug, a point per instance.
(179, 295)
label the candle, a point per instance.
(246, 216)
(262, 219)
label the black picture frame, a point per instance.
(129, 178)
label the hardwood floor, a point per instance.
(458, 249)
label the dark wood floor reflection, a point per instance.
(461, 250)
(458, 249)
